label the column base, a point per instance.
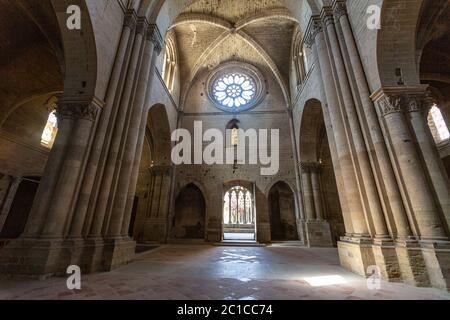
(44, 258)
(117, 253)
(356, 255)
(263, 233)
(412, 263)
(386, 260)
(318, 234)
(214, 231)
(33, 258)
(437, 262)
(155, 230)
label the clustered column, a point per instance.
(382, 165)
(312, 193)
(8, 200)
(395, 107)
(82, 206)
(344, 151)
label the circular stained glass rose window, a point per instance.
(234, 91)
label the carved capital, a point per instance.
(130, 19)
(154, 35)
(414, 104)
(340, 9)
(161, 169)
(77, 110)
(142, 26)
(390, 104)
(327, 16)
(315, 28)
(311, 167)
(316, 168)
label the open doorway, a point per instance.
(239, 215)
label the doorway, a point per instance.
(239, 221)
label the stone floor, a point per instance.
(214, 272)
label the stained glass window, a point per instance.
(234, 91)
(50, 131)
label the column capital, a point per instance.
(340, 9)
(390, 103)
(401, 99)
(154, 35)
(310, 167)
(73, 109)
(327, 15)
(142, 25)
(130, 19)
(161, 169)
(314, 28)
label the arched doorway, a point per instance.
(239, 215)
(17, 216)
(283, 222)
(321, 202)
(190, 214)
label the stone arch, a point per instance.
(189, 220)
(283, 222)
(159, 127)
(19, 207)
(321, 196)
(396, 43)
(80, 51)
(311, 127)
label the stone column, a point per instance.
(317, 191)
(107, 186)
(417, 106)
(88, 193)
(392, 105)
(155, 37)
(131, 144)
(355, 207)
(83, 114)
(308, 192)
(8, 200)
(394, 201)
(156, 224)
(369, 192)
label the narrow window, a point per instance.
(437, 125)
(50, 131)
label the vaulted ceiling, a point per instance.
(31, 64)
(210, 32)
(434, 41)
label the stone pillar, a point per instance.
(368, 189)
(317, 191)
(418, 105)
(393, 203)
(349, 181)
(393, 104)
(155, 228)
(308, 192)
(83, 115)
(131, 144)
(94, 170)
(107, 186)
(8, 200)
(154, 35)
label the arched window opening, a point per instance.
(437, 125)
(238, 214)
(50, 131)
(300, 55)
(170, 65)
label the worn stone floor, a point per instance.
(222, 273)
